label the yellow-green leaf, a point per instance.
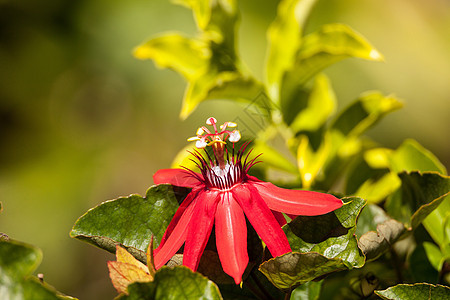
(366, 111)
(285, 36)
(321, 104)
(411, 156)
(188, 56)
(311, 162)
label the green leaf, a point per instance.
(418, 196)
(311, 162)
(415, 291)
(174, 283)
(434, 255)
(201, 10)
(327, 244)
(230, 85)
(365, 112)
(209, 62)
(17, 262)
(190, 57)
(321, 104)
(272, 157)
(376, 190)
(307, 291)
(378, 158)
(420, 267)
(18, 259)
(292, 269)
(130, 221)
(331, 234)
(216, 18)
(285, 36)
(332, 43)
(411, 156)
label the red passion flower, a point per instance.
(223, 195)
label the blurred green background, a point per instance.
(83, 121)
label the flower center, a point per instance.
(224, 169)
(217, 140)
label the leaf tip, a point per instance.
(376, 55)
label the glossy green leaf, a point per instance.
(331, 234)
(330, 44)
(285, 36)
(130, 221)
(415, 291)
(174, 283)
(288, 271)
(17, 262)
(307, 291)
(321, 245)
(321, 104)
(365, 112)
(374, 243)
(418, 196)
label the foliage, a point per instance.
(395, 215)
(404, 189)
(17, 262)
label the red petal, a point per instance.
(178, 177)
(200, 227)
(280, 218)
(296, 202)
(261, 218)
(231, 237)
(176, 238)
(176, 218)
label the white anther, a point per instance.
(201, 144)
(200, 131)
(235, 136)
(211, 121)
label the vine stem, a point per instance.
(288, 295)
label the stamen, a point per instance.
(211, 121)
